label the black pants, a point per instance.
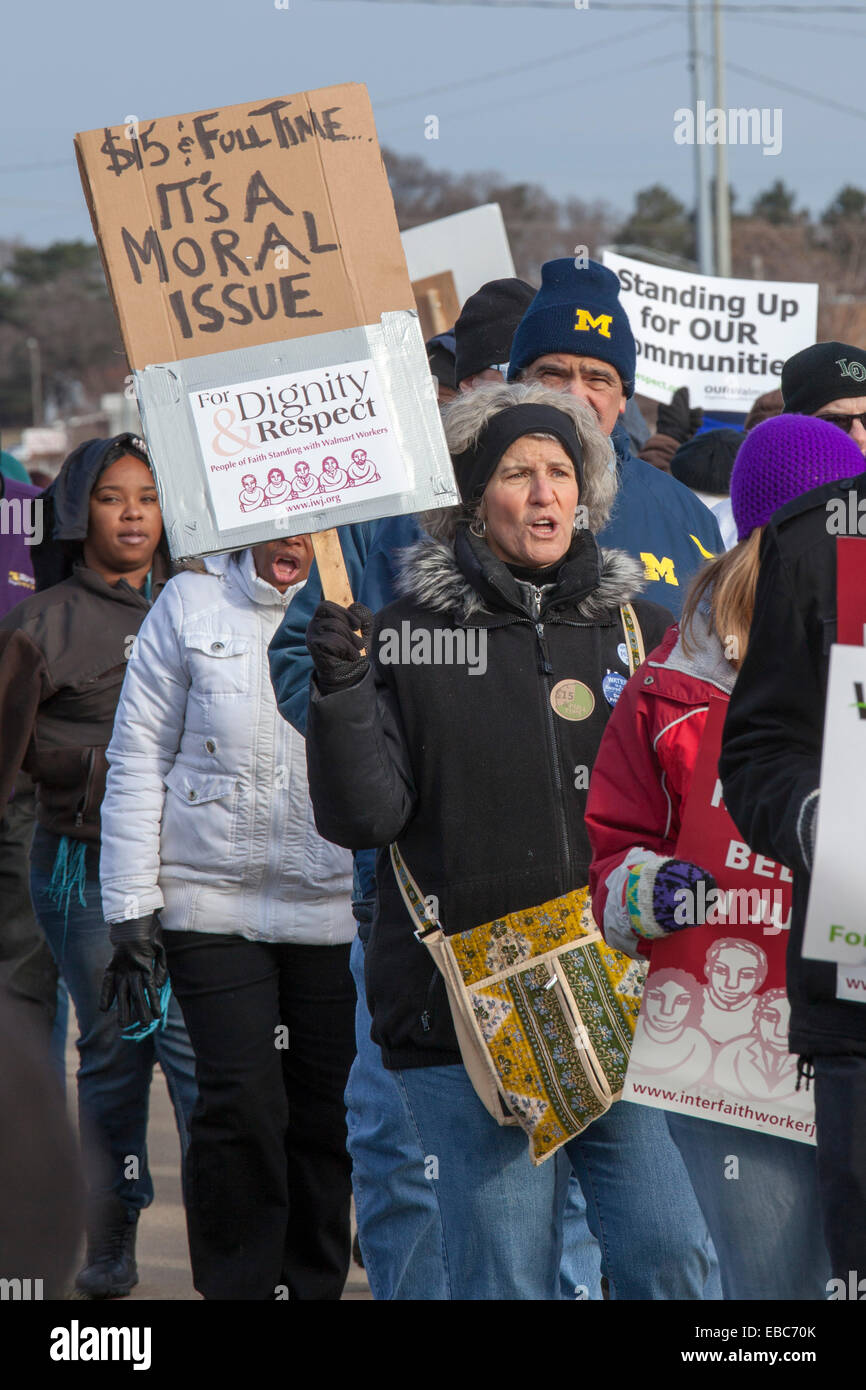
(27, 967)
(268, 1178)
(840, 1126)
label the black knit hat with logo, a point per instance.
(820, 374)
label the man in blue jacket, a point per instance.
(656, 520)
(575, 336)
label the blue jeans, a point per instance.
(763, 1212)
(499, 1218)
(414, 1249)
(113, 1075)
(641, 1208)
(395, 1204)
(399, 1224)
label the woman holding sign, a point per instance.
(758, 1191)
(477, 764)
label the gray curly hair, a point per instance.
(465, 417)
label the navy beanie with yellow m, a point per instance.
(576, 311)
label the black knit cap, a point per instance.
(487, 324)
(475, 467)
(704, 463)
(820, 374)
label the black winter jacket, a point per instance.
(481, 778)
(63, 655)
(771, 753)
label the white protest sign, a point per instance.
(297, 443)
(725, 339)
(473, 245)
(835, 919)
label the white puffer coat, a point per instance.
(207, 815)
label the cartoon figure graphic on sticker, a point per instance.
(277, 489)
(333, 476)
(361, 469)
(304, 482)
(572, 699)
(250, 495)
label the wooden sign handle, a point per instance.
(332, 568)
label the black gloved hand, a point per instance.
(336, 647)
(137, 971)
(677, 420)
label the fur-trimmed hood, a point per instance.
(429, 573)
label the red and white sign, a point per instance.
(712, 1035)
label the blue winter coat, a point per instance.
(660, 522)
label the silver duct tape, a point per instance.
(216, 454)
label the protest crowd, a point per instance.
(270, 842)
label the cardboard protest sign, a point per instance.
(248, 224)
(712, 1035)
(256, 266)
(725, 339)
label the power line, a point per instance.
(28, 168)
(802, 28)
(641, 5)
(798, 91)
(521, 68)
(513, 100)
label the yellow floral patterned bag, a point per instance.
(543, 1009)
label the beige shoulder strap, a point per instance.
(633, 637)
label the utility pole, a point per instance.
(703, 215)
(32, 345)
(723, 201)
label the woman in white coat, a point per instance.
(207, 824)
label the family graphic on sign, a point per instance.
(725, 1034)
(306, 483)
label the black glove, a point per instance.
(677, 420)
(137, 971)
(336, 647)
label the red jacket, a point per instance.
(644, 767)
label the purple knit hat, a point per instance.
(783, 458)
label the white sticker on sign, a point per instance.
(305, 441)
(851, 983)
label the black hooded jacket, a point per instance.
(63, 655)
(771, 752)
(480, 777)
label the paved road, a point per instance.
(162, 1254)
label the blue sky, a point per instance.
(590, 113)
